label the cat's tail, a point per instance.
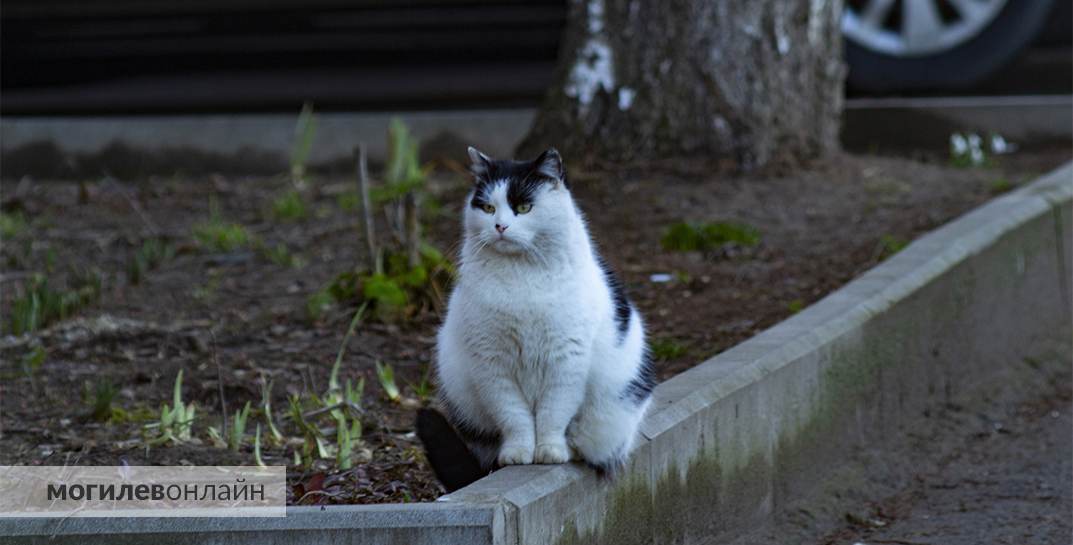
(451, 459)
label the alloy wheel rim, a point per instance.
(912, 28)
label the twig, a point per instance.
(219, 379)
(898, 541)
(367, 208)
(349, 333)
(317, 493)
(330, 408)
(134, 205)
(413, 229)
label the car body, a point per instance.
(143, 56)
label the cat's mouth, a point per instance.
(505, 245)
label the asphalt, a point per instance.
(995, 467)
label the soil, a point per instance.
(994, 467)
(232, 321)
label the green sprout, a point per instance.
(290, 207)
(103, 396)
(667, 349)
(218, 235)
(686, 237)
(423, 388)
(890, 245)
(305, 132)
(40, 305)
(152, 253)
(386, 375)
(176, 421)
(257, 448)
(237, 433)
(11, 224)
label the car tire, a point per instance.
(1017, 23)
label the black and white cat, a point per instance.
(541, 358)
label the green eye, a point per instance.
(524, 208)
(489, 208)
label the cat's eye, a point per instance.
(524, 208)
(491, 209)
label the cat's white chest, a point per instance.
(532, 325)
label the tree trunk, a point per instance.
(755, 81)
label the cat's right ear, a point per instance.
(479, 163)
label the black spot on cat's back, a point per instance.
(621, 303)
(640, 388)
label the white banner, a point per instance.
(143, 491)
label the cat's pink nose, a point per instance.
(501, 228)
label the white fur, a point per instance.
(529, 348)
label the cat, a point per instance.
(541, 357)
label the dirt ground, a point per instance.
(994, 467)
(236, 320)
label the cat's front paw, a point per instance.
(512, 455)
(552, 453)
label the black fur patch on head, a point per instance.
(523, 178)
(623, 307)
(640, 388)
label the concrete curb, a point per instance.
(729, 441)
(262, 142)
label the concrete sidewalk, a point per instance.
(265, 140)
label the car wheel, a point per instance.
(934, 44)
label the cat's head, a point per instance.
(516, 206)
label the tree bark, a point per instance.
(755, 81)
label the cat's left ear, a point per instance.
(479, 163)
(549, 164)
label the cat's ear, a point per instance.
(549, 164)
(479, 163)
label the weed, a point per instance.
(282, 256)
(290, 207)
(423, 389)
(40, 305)
(341, 403)
(345, 438)
(686, 237)
(30, 363)
(890, 245)
(305, 132)
(152, 253)
(217, 235)
(1000, 185)
(407, 275)
(257, 448)
(103, 395)
(318, 304)
(394, 294)
(177, 421)
(275, 437)
(667, 349)
(11, 224)
(313, 445)
(237, 434)
(795, 306)
(386, 375)
(349, 201)
(207, 290)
